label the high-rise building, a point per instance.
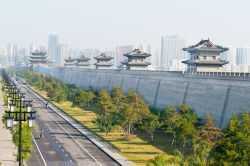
(243, 56)
(120, 51)
(9, 54)
(23, 52)
(229, 55)
(32, 48)
(62, 54)
(171, 49)
(15, 53)
(74, 53)
(3, 51)
(53, 48)
(42, 48)
(3, 56)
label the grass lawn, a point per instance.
(138, 150)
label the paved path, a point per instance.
(77, 148)
(8, 150)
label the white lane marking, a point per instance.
(79, 144)
(69, 134)
(38, 149)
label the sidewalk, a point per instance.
(7, 147)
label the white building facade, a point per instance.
(62, 54)
(171, 49)
(53, 48)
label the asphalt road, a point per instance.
(62, 143)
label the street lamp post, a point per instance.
(17, 101)
(20, 116)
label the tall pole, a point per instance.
(20, 133)
(20, 142)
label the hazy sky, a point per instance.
(106, 23)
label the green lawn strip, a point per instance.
(137, 150)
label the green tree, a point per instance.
(188, 124)
(160, 160)
(79, 97)
(61, 96)
(105, 115)
(205, 142)
(58, 92)
(181, 122)
(172, 122)
(71, 92)
(235, 146)
(88, 96)
(150, 123)
(117, 97)
(209, 133)
(106, 123)
(104, 103)
(26, 140)
(132, 112)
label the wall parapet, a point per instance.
(204, 92)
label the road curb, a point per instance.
(107, 149)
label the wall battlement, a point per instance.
(220, 94)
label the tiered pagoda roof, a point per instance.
(38, 57)
(103, 57)
(137, 53)
(136, 58)
(126, 62)
(204, 57)
(103, 61)
(82, 61)
(216, 62)
(69, 60)
(82, 58)
(205, 45)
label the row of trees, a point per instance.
(118, 109)
(199, 142)
(115, 109)
(209, 145)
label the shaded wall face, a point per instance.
(219, 97)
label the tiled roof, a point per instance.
(206, 62)
(205, 44)
(69, 59)
(83, 58)
(104, 56)
(136, 53)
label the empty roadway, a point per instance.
(60, 135)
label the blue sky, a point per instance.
(106, 23)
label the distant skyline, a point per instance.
(105, 24)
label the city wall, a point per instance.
(217, 93)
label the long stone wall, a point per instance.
(221, 95)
